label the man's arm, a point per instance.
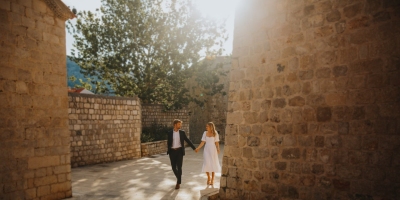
(188, 141)
(168, 142)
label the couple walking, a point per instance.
(176, 151)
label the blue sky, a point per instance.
(217, 9)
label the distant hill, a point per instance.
(74, 69)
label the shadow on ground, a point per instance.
(144, 178)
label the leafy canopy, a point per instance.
(148, 48)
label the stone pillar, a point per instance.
(314, 109)
(34, 136)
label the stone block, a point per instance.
(324, 31)
(333, 16)
(43, 190)
(279, 103)
(253, 141)
(7, 73)
(335, 99)
(62, 169)
(323, 72)
(289, 140)
(45, 181)
(333, 141)
(315, 100)
(291, 153)
(297, 101)
(260, 153)
(353, 10)
(324, 114)
(247, 153)
(280, 165)
(30, 193)
(309, 114)
(289, 192)
(60, 187)
(317, 169)
(306, 75)
(45, 161)
(285, 128)
(5, 5)
(351, 142)
(341, 184)
(313, 21)
(250, 117)
(305, 141)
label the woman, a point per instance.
(211, 151)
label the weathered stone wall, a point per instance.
(103, 129)
(153, 148)
(154, 113)
(314, 101)
(34, 139)
(214, 110)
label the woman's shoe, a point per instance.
(212, 182)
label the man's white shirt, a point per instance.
(176, 142)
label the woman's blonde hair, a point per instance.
(214, 132)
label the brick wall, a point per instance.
(314, 101)
(103, 129)
(155, 113)
(34, 140)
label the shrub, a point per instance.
(155, 132)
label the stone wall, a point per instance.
(214, 110)
(103, 129)
(34, 140)
(152, 113)
(153, 148)
(314, 101)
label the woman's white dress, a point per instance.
(210, 154)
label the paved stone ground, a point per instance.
(144, 178)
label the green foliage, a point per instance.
(81, 84)
(145, 47)
(155, 132)
(207, 76)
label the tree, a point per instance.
(148, 48)
(206, 79)
(81, 84)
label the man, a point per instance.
(176, 149)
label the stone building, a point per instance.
(34, 136)
(314, 109)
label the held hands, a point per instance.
(196, 150)
(218, 151)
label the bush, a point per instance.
(155, 132)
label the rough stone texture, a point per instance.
(103, 129)
(34, 137)
(154, 113)
(330, 86)
(153, 148)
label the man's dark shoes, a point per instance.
(177, 186)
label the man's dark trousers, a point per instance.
(176, 158)
(176, 155)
